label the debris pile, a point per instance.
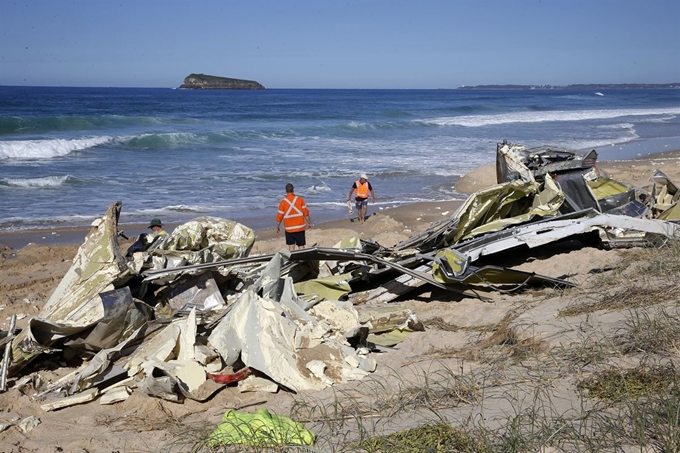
(182, 315)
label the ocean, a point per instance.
(67, 153)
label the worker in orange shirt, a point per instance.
(361, 189)
(295, 215)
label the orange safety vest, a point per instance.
(292, 210)
(362, 190)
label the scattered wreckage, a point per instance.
(193, 311)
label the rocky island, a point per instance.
(208, 82)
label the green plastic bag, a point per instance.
(260, 429)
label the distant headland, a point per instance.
(588, 86)
(208, 82)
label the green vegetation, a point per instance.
(616, 384)
(434, 438)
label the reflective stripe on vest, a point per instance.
(362, 190)
(293, 219)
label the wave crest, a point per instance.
(47, 181)
(540, 117)
(188, 208)
(46, 149)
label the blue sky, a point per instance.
(339, 44)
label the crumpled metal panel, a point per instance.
(607, 187)
(665, 197)
(223, 237)
(91, 372)
(662, 179)
(515, 162)
(269, 337)
(97, 266)
(329, 288)
(75, 303)
(671, 214)
(510, 164)
(547, 231)
(201, 293)
(121, 316)
(452, 267)
(545, 203)
(577, 193)
(502, 205)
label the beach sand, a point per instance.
(32, 264)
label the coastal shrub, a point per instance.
(656, 331)
(617, 385)
(623, 298)
(431, 438)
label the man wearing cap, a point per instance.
(145, 240)
(157, 228)
(361, 189)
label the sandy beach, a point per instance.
(458, 332)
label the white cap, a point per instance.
(363, 175)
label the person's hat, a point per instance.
(155, 222)
(363, 175)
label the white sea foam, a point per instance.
(318, 188)
(360, 125)
(628, 126)
(47, 181)
(661, 120)
(177, 208)
(339, 204)
(162, 139)
(541, 117)
(589, 144)
(188, 208)
(11, 224)
(46, 149)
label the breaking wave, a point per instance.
(37, 125)
(188, 208)
(46, 149)
(541, 117)
(177, 208)
(47, 181)
(16, 224)
(163, 140)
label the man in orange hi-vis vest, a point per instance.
(361, 189)
(295, 215)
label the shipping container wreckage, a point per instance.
(193, 311)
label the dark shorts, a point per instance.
(360, 202)
(297, 238)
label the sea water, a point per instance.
(67, 153)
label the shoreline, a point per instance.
(413, 216)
